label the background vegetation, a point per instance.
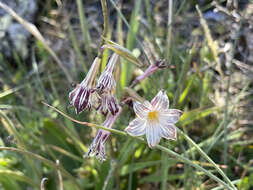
(209, 77)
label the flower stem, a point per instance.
(164, 149)
(84, 28)
(187, 161)
(106, 21)
(207, 158)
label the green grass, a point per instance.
(214, 145)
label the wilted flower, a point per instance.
(80, 97)
(160, 64)
(106, 85)
(154, 119)
(108, 102)
(97, 147)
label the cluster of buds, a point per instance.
(86, 94)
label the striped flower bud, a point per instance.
(108, 103)
(97, 147)
(80, 97)
(106, 85)
(106, 80)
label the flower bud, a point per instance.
(80, 96)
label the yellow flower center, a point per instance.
(153, 116)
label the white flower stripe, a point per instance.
(136, 127)
(152, 134)
(168, 118)
(160, 101)
(169, 132)
(172, 111)
(140, 110)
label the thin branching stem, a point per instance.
(106, 21)
(84, 27)
(165, 165)
(170, 13)
(226, 113)
(189, 140)
(164, 149)
(42, 183)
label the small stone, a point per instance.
(13, 36)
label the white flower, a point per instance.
(154, 119)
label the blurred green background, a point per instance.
(209, 76)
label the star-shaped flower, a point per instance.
(154, 119)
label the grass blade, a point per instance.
(44, 160)
(18, 176)
(84, 28)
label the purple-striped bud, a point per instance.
(97, 147)
(80, 97)
(106, 80)
(160, 64)
(108, 103)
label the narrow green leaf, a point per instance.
(19, 176)
(126, 169)
(193, 115)
(186, 90)
(125, 53)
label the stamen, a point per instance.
(153, 116)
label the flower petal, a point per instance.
(106, 82)
(169, 116)
(140, 109)
(136, 127)
(107, 103)
(113, 105)
(169, 132)
(160, 101)
(153, 134)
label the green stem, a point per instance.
(106, 21)
(168, 151)
(169, 32)
(84, 27)
(165, 165)
(131, 30)
(226, 113)
(187, 161)
(182, 74)
(206, 157)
